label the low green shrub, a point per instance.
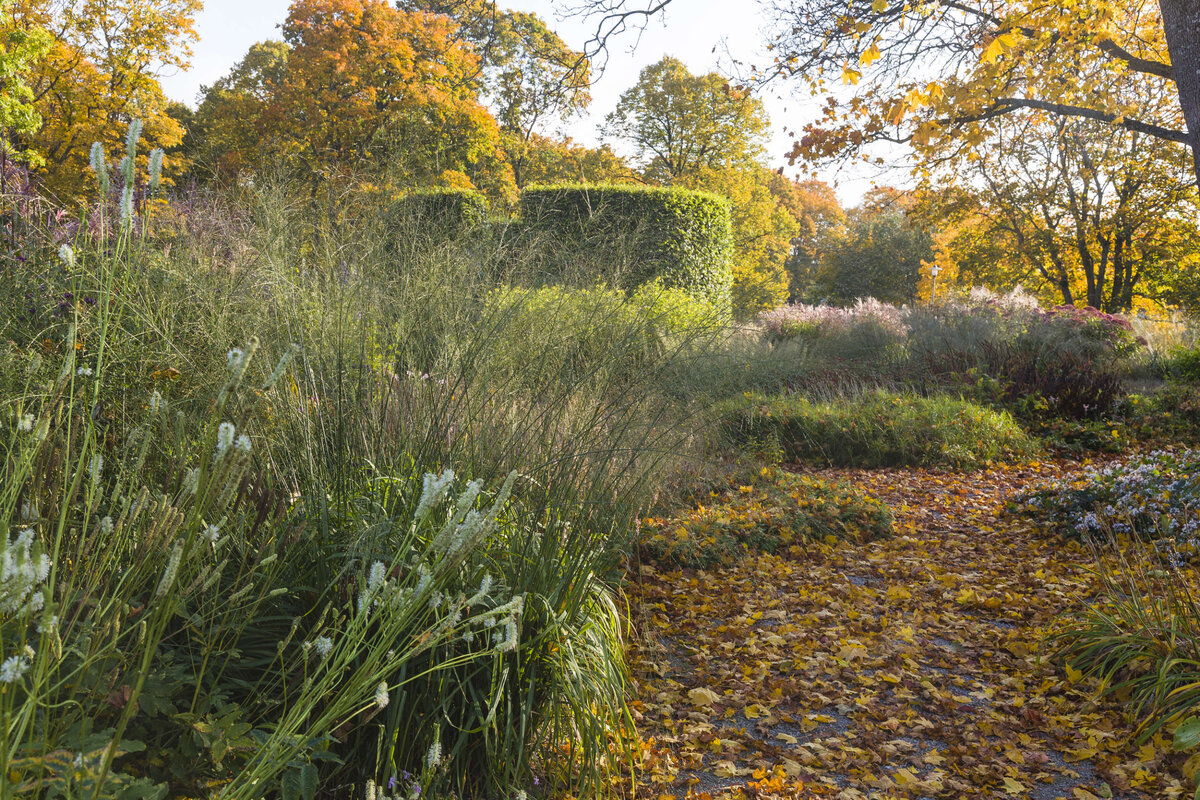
(777, 511)
(1184, 365)
(879, 429)
(558, 336)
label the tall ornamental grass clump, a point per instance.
(291, 520)
(1002, 350)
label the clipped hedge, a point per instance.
(440, 213)
(681, 238)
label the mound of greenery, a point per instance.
(878, 429)
(777, 512)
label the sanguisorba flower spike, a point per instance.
(100, 167)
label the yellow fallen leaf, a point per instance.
(896, 593)
(1012, 786)
(1083, 794)
(703, 696)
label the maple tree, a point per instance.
(361, 72)
(100, 71)
(359, 83)
(933, 73)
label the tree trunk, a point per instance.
(1181, 24)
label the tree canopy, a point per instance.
(100, 71)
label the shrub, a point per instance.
(558, 336)
(879, 429)
(680, 237)
(779, 511)
(1064, 361)
(1150, 496)
(1184, 365)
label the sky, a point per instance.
(704, 34)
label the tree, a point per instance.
(101, 71)
(935, 72)
(820, 223)
(228, 123)
(880, 255)
(358, 85)
(20, 50)
(527, 74)
(1084, 211)
(357, 67)
(547, 160)
(679, 123)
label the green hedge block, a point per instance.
(441, 212)
(682, 238)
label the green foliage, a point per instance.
(879, 429)
(679, 237)
(1184, 365)
(19, 50)
(559, 336)
(680, 124)
(1152, 496)
(879, 257)
(440, 214)
(777, 511)
(1137, 638)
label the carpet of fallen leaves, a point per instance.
(912, 667)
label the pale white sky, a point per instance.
(691, 31)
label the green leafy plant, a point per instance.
(877, 429)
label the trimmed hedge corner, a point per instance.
(680, 237)
(441, 212)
